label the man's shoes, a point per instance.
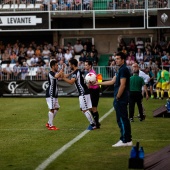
(142, 118)
(121, 144)
(98, 125)
(53, 128)
(47, 125)
(131, 120)
(91, 127)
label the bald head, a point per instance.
(135, 68)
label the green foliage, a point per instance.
(25, 142)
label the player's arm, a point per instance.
(57, 75)
(70, 81)
(108, 83)
(67, 75)
(121, 87)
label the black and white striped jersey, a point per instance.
(80, 84)
(52, 90)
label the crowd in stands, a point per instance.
(90, 4)
(146, 54)
(19, 60)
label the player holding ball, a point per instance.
(94, 92)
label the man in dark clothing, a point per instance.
(121, 91)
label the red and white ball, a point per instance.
(90, 78)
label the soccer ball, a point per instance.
(90, 78)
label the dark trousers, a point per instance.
(122, 120)
(135, 97)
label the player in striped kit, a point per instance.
(84, 95)
(52, 94)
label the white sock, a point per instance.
(51, 117)
(89, 116)
(55, 112)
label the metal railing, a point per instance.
(36, 73)
(71, 5)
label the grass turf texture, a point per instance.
(25, 141)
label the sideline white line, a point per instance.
(56, 154)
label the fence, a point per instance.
(40, 73)
(64, 5)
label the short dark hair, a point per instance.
(122, 55)
(52, 63)
(89, 62)
(73, 62)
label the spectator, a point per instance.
(40, 69)
(82, 59)
(30, 52)
(34, 60)
(17, 71)
(78, 48)
(77, 4)
(46, 70)
(54, 4)
(153, 67)
(94, 50)
(142, 65)
(46, 54)
(7, 71)
(139, 55)
(147, 57)
(129, 61)
(13, 57)
(121, 44)
(87, 4)
(85, 51)
(67, 56)
(132, 46)
(5, 57)
(88, 44)
(148, 44)
(62, 5)
(140, 44)
(164, 56)
(124, 3)
(59, 55)
(70, 4)
(112, 69)
(62, 65)
(157, 46)
(24, 71)
(124, 51)
(45, 5)
(133, 4)
(38, 51)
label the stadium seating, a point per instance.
(22, 6)
(14, 6)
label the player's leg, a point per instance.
(85, 106)
(158, 87)
(94, 94)
(131, 107)
(51, 105)
(164, 85)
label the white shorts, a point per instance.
(52, 103)
(85, 102)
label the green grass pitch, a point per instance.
(25, 142)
